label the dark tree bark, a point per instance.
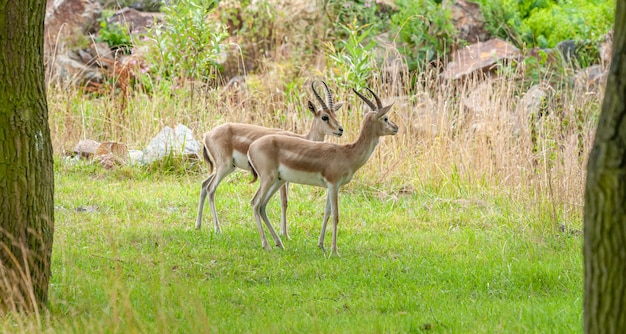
(605, 201)
(26, 165)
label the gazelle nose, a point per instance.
(340, 129)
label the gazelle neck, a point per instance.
(314, 135)
(364, 146)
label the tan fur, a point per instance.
(226, 147)
(277, 159)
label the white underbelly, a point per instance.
(241, 160)
(301, 177)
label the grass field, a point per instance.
(461, 223)
(447, 257)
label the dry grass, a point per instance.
(539, 160)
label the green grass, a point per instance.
(452, 257)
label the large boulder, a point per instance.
(479, 56)
(468, 20)
(178, 141)
(68, 20)
(70, 70)
(141, 5)
(134, 21)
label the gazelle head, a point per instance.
(377, 118)
(325, 119)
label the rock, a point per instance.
(480, 107)
(135, 157)
(71, 71)
(135, 21)
(101, 54)
(606, 48)
(468, 20)
(479, 56)
(425, 119)
(529, 105)
(177, 141)
(86, 148)
(66, 20)
(478, 101)
(110, 154)
(568, 49)
(141, 5)
(591, 78)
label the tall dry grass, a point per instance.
(468, 133)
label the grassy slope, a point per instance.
(451, 258)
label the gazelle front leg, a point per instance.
(283, 218)
(320, 242)
(333, 194)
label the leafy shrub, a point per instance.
(577, 20)
(115, 35)
(352, 63)
(189, 45)
(425, 31)
(252, 23)
(360, 12)
(545, 23)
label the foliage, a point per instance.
(115, 35)
(350, 12)
(189, 46)
(353, 63)
(545, 23)
(577, 20)
(425, 30)
(252, 23)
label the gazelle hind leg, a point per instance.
(271, 191)
(220, 174)
(257, 206)
(203, 193)
(267, 187)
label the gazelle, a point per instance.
(226, 148)
(278, 159)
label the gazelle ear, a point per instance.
(380, 113)
(337, 106)
(312, 108)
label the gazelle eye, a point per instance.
(325, 118)
(386, 120)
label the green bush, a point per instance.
(424, 29)
(251, 23)
(189, 45)
(360, 12)
(545, 23)
(352, 63)
(577, 19)
(115, 35)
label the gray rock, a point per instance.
(177, 141)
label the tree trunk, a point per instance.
(26, 165)
(605, 201)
